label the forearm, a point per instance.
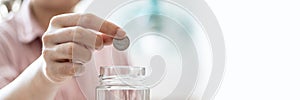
(31, 84)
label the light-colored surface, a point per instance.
(202, 43)
(263, 49)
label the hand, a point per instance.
(69, 41)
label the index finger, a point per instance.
(89, 21)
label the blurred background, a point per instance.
(262, 43)
(8, 6)
(262, 39)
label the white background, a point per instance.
(262, 39)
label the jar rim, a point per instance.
(109, 71)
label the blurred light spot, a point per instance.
(16, 5)
(3, 10)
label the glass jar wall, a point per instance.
(122, 83)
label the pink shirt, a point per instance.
(20, 45)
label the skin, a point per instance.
(67, 45)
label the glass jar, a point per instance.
(122, 83)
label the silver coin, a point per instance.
(121, 44)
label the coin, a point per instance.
(121, 44)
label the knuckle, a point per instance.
(54, 20)
(78, 28)
(88, 18)
(70, 32)
(46, 53)
(46, 39)
(67, 69)
(76, 32)
(70, 48)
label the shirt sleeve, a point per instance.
(7, 72)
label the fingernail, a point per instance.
(120, 34)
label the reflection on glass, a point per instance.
(122, 83)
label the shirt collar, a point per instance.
(27, 27)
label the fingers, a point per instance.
(87, 21)
(73, 52)
(112, 30)
(67, 59)
(76, 34)
(64, 70)
(107, 40)
(69, 69)
(69, 52)
(69, 41)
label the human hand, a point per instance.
(69, 41)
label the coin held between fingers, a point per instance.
(121, 44)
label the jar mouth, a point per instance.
(109, 72)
